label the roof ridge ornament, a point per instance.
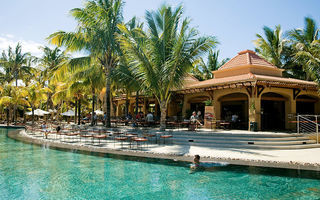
(246, 51)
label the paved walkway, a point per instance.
(301, 158)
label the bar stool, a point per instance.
(164, 137)
(139, 141)
(121, 139)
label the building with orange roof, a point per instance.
(247, 86)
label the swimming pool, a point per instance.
(34, 172)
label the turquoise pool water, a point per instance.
(33, 172)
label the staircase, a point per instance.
(257, 140)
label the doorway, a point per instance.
(272, 112)
(305, 105)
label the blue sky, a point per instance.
(233, 22)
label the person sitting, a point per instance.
(138, 116)
(234, 120)
(129, 117)
(149, 118)
(194, 122)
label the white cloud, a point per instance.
(9, 36)
(27, 45)
(33, 47)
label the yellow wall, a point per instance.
(254, 115)
(245, 69)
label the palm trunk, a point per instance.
(108, 109)
(75, 112)
(32, 115)
(48, 101)
(8, 117)
(137, 102)
(93, 99)
(79, 111)
(15, 114)
(127, 105)
(163, 110)
(24, 115)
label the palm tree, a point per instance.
(92, 77)
(271, 47)
(95, 34)
(304, 40)
(15, 63)
(16, 66)
(203, 70)
(50, 62)
(35, 95)
(123, 76)
(13, 96)
(312, 58)
(164, 56)
(127, 81)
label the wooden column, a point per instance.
(255, 110)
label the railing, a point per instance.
(308, 124)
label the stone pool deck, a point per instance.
(305, 159)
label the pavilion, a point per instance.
(248, 86)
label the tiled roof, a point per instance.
(246, 57)
(190, 80)
(250, 77)
(284, 80)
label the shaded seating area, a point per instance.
(123, 138)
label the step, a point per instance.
(194, 137)
(237, 135)
(253, 146)
(209, 142)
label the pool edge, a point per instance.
(16, 135)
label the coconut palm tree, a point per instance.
(35, 95)
(16, 66)
(15, 63)
(303, 42)
(13, 97)
(123, 76)
(203, 70)
(163, 56)
(312, 57)
(271, 47)
(95, 34)
(50, 62)
(93, 78)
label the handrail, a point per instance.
(309, 119)
(312, 126)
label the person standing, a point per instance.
(95, 118)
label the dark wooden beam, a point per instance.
(249, 90)
(296, 92)
(260, 89)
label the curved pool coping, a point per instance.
(19, 136)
